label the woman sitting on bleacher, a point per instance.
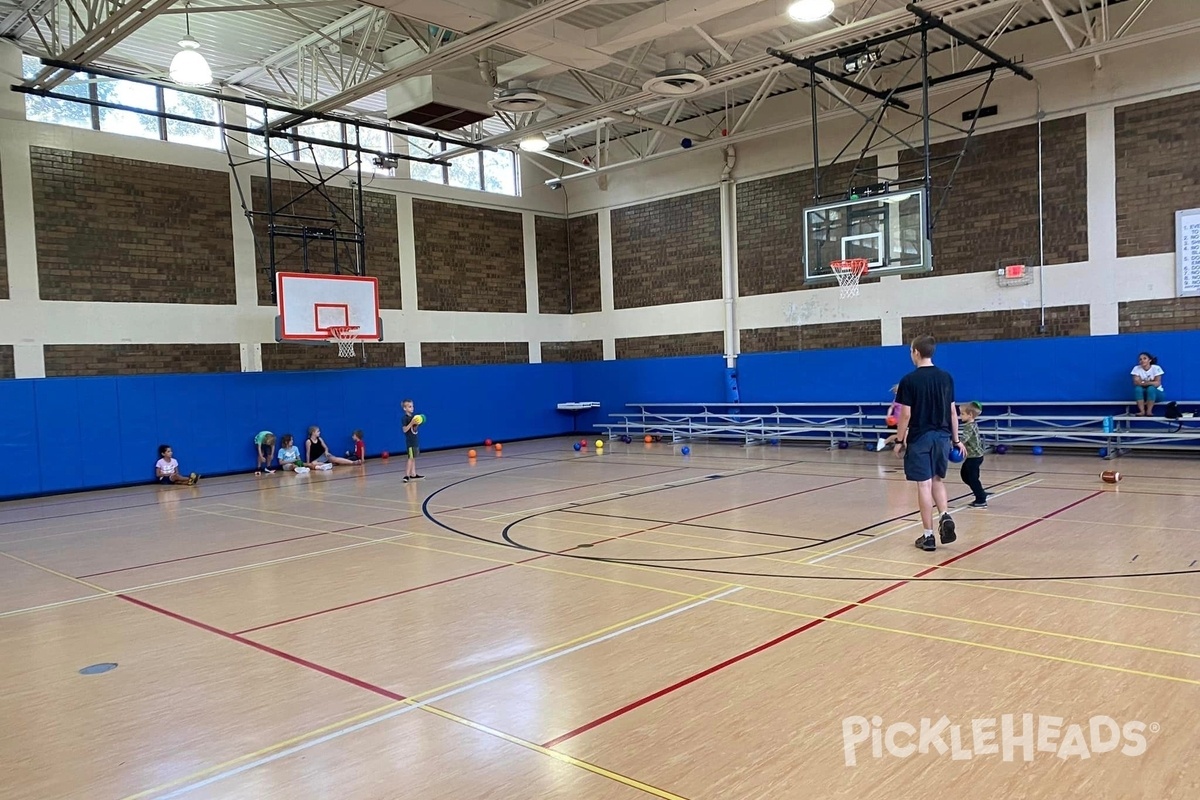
(1147, 384)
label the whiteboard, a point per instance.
(1187, 253)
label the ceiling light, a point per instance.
(188, 67)
(810, 10)
(537, 143)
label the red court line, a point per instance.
(373, 599)
(333, 673)
(797, 631)
(246, 547)
(523, 561)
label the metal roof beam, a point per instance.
(351, 20)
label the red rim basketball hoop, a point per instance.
(343, 336)
(849, 272)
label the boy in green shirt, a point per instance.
(968, 433)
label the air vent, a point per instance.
(676, 79)
(438, 102)
(517, 99)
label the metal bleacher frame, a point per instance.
(1105, 425)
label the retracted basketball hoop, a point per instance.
(343, 336)
(849, 273)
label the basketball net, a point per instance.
(849, 273)
(342, 336)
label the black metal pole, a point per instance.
(360, 266)
(270, 213)
(937, 22)
(812, 90)
(925, 130)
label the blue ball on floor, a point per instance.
(956, 455)
(843, 445)
(686, 451)
(1037, 450)
(577, 447)
(1001, 449)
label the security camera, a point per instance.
(555, 185)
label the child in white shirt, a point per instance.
(1147, 384)
(289, 455)
(166, 469)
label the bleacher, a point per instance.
(1110, 427)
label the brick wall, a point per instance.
(1157, 171)
(66, 360)
(6, 361)
(770, 224)
(446, 354)
(553, 265)
(585, 262)
(118, 230)
(468, 258)
(572, 351)
(380, 234)
(677, 344)
(290, 356)
(3, 252)
(568, 261)
(1167, 314)
(822, 336)
(991, 213)
(667, 251)
(990, 325)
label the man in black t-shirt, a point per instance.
(927, 430)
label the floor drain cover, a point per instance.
(97, 669)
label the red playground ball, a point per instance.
(385, 455)
(1110, 476)
(487, 442)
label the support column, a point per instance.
(729, 259)
(1102, 217)
(607, 306)
(532, 303)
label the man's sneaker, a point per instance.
(979, 504)
(946, 529)
(926, 543)
(880, 445)
(418, 477)
(407, 479)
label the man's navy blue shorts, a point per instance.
(927, 456)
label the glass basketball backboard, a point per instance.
(310, 305)
(887, 230)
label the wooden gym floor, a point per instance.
(742, 623)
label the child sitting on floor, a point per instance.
(166, 469)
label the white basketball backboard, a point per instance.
(309, 305)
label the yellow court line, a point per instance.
(985, 646)
(913, 612)
(417, 698)
(563, 757)
(1106, 586)
(55, 572)
(841, 621)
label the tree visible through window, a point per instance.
(484, 171)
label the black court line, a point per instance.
(693, 525)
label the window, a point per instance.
(128, 122)
(135, 95)
(190, 105)
(376, 140)
(58, 112)
(482, 171)
(319, 153)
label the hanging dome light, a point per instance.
(810, 10)
(537, 143)
(188, 67)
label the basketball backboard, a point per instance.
(309, 305)
(886, 229)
